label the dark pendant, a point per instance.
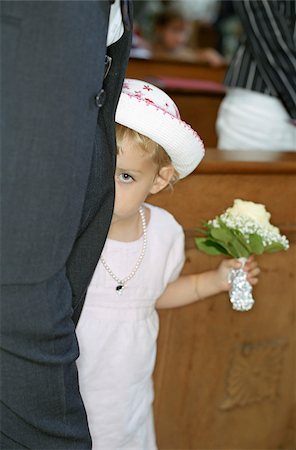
(119, 288)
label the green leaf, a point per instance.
(239, 250)
(242, 239)
(210, 247)
(223, 225)
(221, 234)
(274, 247)
(256, 244)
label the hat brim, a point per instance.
(178, 139)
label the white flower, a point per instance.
(253, 211)
(250, 218)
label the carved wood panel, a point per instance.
(225, 379)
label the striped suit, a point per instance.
(264, 63)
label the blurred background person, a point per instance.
(165, 31)
(171, 34)
(259, 110)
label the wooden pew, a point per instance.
(143, 68)
(196, 89)
(226, 379)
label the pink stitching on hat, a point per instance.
(148, 88)
(139, 96)
(149, 102)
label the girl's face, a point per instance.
(174, 34)
(136, 177)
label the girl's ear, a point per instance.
(162, 179)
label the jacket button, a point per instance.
(100, 98)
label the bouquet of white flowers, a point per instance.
(242, 230)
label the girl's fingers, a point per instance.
(250, 258)
(254, 272)
(232, 263)
(251, 266)
(236, 264)
(253, 276)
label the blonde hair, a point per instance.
(158, 154)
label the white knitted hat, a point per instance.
(150, 111)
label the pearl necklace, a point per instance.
(121, 283)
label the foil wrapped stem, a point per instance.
(240, 292)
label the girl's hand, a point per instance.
(223, 271)
(252, 269)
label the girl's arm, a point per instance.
(191, 288)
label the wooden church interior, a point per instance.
(225, 379)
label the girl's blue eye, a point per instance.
(125, 178)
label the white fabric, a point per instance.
(249, 120)
(148, 110)
(117, 336)
(115, 28)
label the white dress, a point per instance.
(117, 336)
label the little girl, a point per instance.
(139, 271)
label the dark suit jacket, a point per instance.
(58, 148)
(58, 160)
(51, 139)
